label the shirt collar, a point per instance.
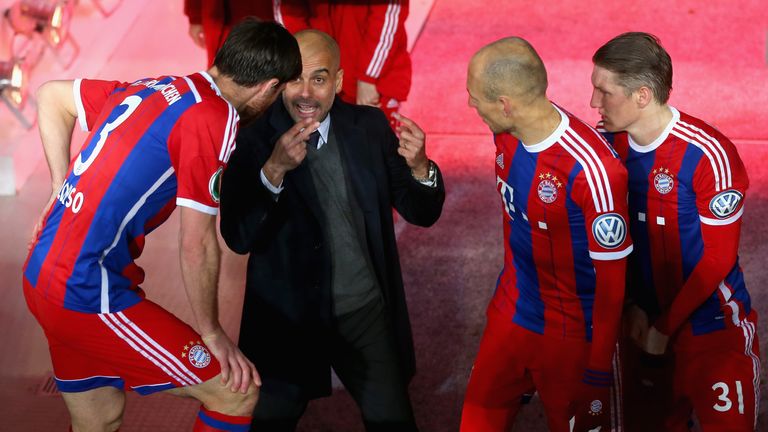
(325, 126)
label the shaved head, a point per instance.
(316, 42)
(510, 67)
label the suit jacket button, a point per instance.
(317, 245)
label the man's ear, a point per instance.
(506, 105)
(643, 96)
(269, 87)
(339, 80)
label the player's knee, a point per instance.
(109, 422)
(225, 401)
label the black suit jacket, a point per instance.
(287, 312)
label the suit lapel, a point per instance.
(355, 155)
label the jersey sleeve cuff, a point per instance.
(79, 105)
(186, 202)
(610, 256)
(719, 222)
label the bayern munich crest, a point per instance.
(595, 408)
(548, 186)
(663, 181)
(197, 354)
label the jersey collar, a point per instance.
(660, 139)
(552, 138)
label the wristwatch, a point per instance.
(431, 178)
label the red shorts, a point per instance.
(142, 348)
(510, 362)
(715, 375)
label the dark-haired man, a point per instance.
(687, 187)
(154, 144)
(553, 320)
(324, 287)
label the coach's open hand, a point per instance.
(412, 146)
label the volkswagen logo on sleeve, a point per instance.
(725, 203)
(609, 230)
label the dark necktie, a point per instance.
(313, 139)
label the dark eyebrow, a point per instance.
(321, 71)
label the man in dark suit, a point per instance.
(324, 287)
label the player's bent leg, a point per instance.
(222, 409)
(97, 410)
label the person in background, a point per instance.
(374, 46)
(211, 20)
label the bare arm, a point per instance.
(200, 255)
(56, 116)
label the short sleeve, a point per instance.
(200, 146)
(720, 183)
(90, 97)
(602, 190)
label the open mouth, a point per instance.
(306, 109)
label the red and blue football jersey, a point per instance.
(564, 202)
(154, 144)
(689, 179)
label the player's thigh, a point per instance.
(97, 410)
(721, 377)
(498, 379)
(499, 376)
(558, 371)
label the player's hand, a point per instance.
(656, 342)
(591, 409)
(636, 325)
(412, 145)
(236, 370)
(367, 94)
(41, 218)
(290, 150)
(197, 35)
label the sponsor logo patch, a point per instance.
(663, 181)
(609, 230)
(725, 203)
(197, 354)
(214, 185)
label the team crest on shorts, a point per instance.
(548, 186)
(595, 408)
(197, 354)
(663, 181)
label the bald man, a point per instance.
(553, 320)
(324, 287)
